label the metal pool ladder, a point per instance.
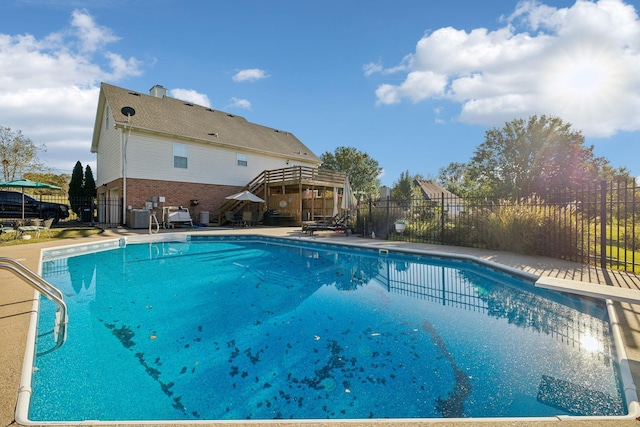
(45, 288)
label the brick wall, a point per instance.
(210, 196)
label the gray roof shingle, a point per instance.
(185, 120)
(432, 190)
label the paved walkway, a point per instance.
(16, 300)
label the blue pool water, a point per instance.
(252, 328)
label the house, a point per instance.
(153, 151)
(433, 192)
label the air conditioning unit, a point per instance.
(139, 218)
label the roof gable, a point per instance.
(430, 189)
(185, 120)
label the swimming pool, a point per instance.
(233, 328)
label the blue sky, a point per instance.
(413, 83)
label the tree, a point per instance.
(61, 181)
(452, 177)
(404, 190)
(76, 188)
(18, 154)
(362, 170)
(89, 187)
(537, 156)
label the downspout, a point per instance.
(123, 144)
(129, 112)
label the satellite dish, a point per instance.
(128, 111)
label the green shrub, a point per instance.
(462, 232)
(510, 227)
(532, 228)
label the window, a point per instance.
(180, 155)
(242, 159)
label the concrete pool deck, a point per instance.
(16, 303)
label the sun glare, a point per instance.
(583, 81)
(590, 343)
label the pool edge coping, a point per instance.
(629, 391)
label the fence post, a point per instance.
(603, 224)
(442, 218)
(370, 222)
(388, 207)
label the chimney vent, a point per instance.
(158, 91)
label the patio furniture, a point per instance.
(46, 226)
(172, 215)
(247, 218)
(8, 231)
(338, 224)
(232, 218)
(25, 229)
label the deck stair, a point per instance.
(301, 176)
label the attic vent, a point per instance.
(134, 93)
(209, 109)
(230, 115)
(213, 134)
(281, 131)
(188, 104)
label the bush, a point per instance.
(532, 228)
(511, 227)
(462, 232)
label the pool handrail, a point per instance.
(45, 288)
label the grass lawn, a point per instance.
(615, 253)
(55, 234)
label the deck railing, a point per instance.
(303, 173)
(293, 174)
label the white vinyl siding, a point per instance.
(151, 157)
(180, 155)
(109, 156)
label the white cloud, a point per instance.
(377, 67)
(191, 96)
(371, 68)
(49, 87)
(580, 63)
(90, 36)
(250, 75)
(239, 103)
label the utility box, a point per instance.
(139, 218)
(204, 217)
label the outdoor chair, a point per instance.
(46, 227)
(7, 231)
(230, 216)
(338, 224)
(247, 218)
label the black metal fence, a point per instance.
(597, 224)
(82, 211)
(97, 212)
